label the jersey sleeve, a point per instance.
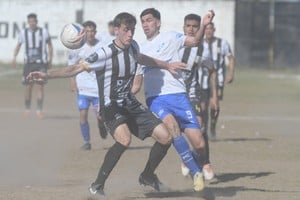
(226, 48)
(97, 60)
(140, 70)
(178, 39)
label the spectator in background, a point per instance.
(37, 58)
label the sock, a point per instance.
(213, 119)
(110, 160)
(204, 115)
(157, 153)
(206, 159)
(27, 104)
(85, 131)
(39, 104)
(183, 149)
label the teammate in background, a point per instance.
(107, 36)
(218, 50)
(85, 84)
(37, 58)
(115, 67)
(199, 71)
(166, 94)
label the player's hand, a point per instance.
(208, 17)
(229, 79)
(36, 76)
(175, 66)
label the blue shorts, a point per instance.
(177, 105)
(84, 102)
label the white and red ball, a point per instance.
(73, 36)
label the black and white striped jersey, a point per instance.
(35, 44)
(115, 70)
(217, 50)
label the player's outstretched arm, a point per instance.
(65, 72)
(152, 62)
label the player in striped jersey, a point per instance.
(218, 50)
(115, 67)
(166, 94)
(197, 74)
(36, 40)
(85, 84)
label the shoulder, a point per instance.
(173, 34)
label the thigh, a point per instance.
(158, 106)
(195, 137)
(95, 103)
(172, 125)
(184, 112)
(122, 135)
(141, 120)
(83, 102)
(114, 116)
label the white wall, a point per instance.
(57, 13)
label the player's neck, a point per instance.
(150, 38)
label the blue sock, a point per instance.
(183, 149)
(85, 131)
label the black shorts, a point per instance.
(140, 120)
(195, 101)
(205, 95)
(33, 67)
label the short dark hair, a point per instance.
(31, 15)
(110, 23)
(192, 16)
(155, 13)
(124, 18)
(89, 23)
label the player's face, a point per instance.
(190, 27)
(90, 34)
(32, 22)
(209, 31)
(124, 35)
(150, 25)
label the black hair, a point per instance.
(89, 23)
(124, 18)
(110, 23)
(155, 13)
(32, 15)
(192, 17)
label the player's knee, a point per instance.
(197, 141)
(125, 141)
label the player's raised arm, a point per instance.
(194, 40)
(152, 62)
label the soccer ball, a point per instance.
(73, 36)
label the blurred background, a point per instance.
(262, 33)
